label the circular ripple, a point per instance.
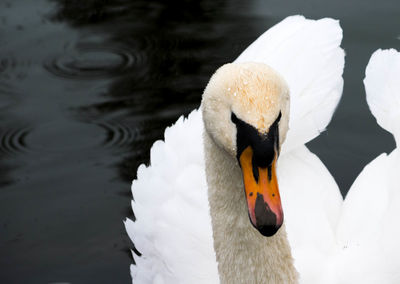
(13, 141)
(91, 61)
(118, 135)
(64, 136)
(73, 136)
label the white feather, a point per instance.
(307, 54)
(382, 86)
(312, 205)
(369, 229)
(173, 227)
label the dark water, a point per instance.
(87, 86)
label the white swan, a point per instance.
(180, 242)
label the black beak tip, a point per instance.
(266, 221)
(269, 230)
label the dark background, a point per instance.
(87, 86)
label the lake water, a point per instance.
(86, 87)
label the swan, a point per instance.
(209, 208)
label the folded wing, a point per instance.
(369, 228)
(307, 54)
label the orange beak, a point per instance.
(262, 194)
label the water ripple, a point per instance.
(91, 61)
(13, 141)
(118, 135)
(67, 137)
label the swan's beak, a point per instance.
(257, 154)
(262, 194)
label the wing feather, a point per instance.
(307, 54)
(173, 227)
(382, 85)
(369, 230)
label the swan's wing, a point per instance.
(312, 202)
(307, 54)
(173, 227)
(369, 228)
(382, 85)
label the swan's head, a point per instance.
(246, 112)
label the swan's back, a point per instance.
(369, 229)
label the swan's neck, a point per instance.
(243, 254)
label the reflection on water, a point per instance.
(87, 86)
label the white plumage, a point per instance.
(173, 227)
(369, 229)
(307, 54)
(382, 85)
